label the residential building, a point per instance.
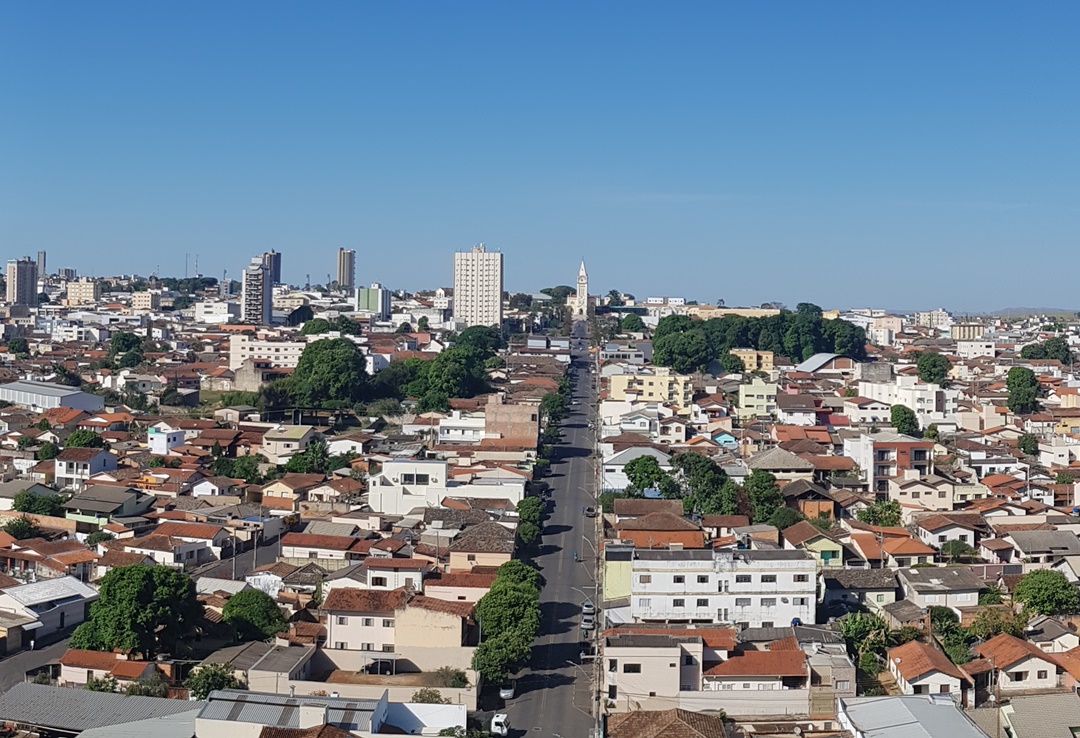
(41, 396)
(651, 384)
(272, 261)
(919, 668)
(22, 282)
(78, 666)
(83, 291)
(97, 505)
(967, 331)
(931, 403)
(936, 716)
(951, 586)
(754, 588)
(346, 269)
(278, 353)
(478, 287)
(74, 466)
(871, 588)
(160, 441)
(757, 398)
(881, 456)
(754, 360)
(939, 318)
(362, 619)
(373, 301)
(40, 263)
(149, 300)
(282, 442)
(55, 603)
(256, 294)
(1018, 665)
(659, 723)
(405, 484)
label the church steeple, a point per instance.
(581, 273)
(581, 299)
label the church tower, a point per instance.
(581, 299)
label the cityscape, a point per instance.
(566, 371)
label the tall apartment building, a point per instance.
(272, 262)
(67, 273)
(967, 331)
(346, 269)
(478, 287)
(374, 301)
(146, 300)
(257, 294)
(752, 588)
(939, 318)
(22, 281)
(652, 384)
(882, 456)
(85, 291)
(42, 272)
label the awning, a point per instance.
(33, 626)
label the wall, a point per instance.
(465, 697)
(1032, 666)
(459, 561)
(415, 658)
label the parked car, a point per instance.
(506, 691)
(590, 512)
(588, 608)
(500, 724)
(379, 667)
(588, 622)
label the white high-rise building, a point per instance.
(581, 299)
(257, 293)
(346, 269)
(22, 281)
(478, 287)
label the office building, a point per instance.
(85, 291)
(346, 269)
(478, 287)
(373, 301)
(22, 278)
(272, 261)
(67, 273)
(41, 264)
(256, 299)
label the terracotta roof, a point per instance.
(906, 547)
(472, 579)
(658, 521)
(460, 609)
(347, 599)
(188, 530)
(83, 659)
(314, 540)
(129, 669)
(318, 731)
(1006, 650)
(636, 506)
(801, 532)
(915, 659)
(711, 636)
(663, 724)
(296, 481)
(724, 521)
(761, 663)
(397, 564)
(116, 557)
(79, 454)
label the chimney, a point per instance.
(312, 715)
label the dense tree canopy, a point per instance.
(1047, 592)
(28, 502)
(18, 345)
(904, 420)
(211, 677)
(1051, 348)
(632, 322)
(84, 438)
(1028, 443)
(1023, 389)
(765, 497)
(933, 367)
(254, 615)
(885, 513)
(330, 373)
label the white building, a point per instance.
(929, 402)
(581, 298)
(405, 484)
(478, 287)
(458, 428)
(373, 301)
(55, 603)
(216, 311)
(756, 589)
(256, 294)
(42, 396)
(939, 318)
(285, 354)
(22, 281)
(161, 441)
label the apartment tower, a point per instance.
(346, 269)
(478, 287)
(22, 281)
(272, 260)
(256, 294)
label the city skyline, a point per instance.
(872, 153)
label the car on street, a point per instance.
(590, 512)
(506, 691)
(500, 724)
(588, 622)
(588, 608)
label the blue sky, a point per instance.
(847, 153)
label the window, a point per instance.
(768, 602)
(842, 685)
(388, 648)
(800, 601)
(688, 660)
(631, 668)
(342, 620)
(742, 579)
(340, 645)
(313, 554)
(679, 579)
(378, 581)
(703, 602)
(879, 598)
(408, 478)
(941, 494)
(644, 578)
(679, 602)
(369, 622)
(644, 602)
(766, 623)
(768, 579)
(612, 692)
(1018, 676)
(742, 602)
(941, 539)
(422, 479)
(944, 689)
(367, 646)
(388, 623)
(613, 665)
(802, 578)
(703, 579)
(1041, 674)
(470, 557)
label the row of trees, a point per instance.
(530, 514)
(688, 345)
(1051, 348)
(509, 618)
(703, 486)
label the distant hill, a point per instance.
(1021, 311)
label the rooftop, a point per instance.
(76, 710)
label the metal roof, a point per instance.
(180, 725)
(909, 716)
(281, 711)
(76, 710)
(46, 389)
(49, 590)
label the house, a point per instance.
(952, 586)
(262, 667)
(74, 466)
(288, 491)
(167, 550)
(937, 530)
(894, 717)
(1051, 635)
(463, 586)
(919, 668)
(1019, 665)
(214, 537)
(628, 508)
(95, 506)
(329, 551)
(212, 486)
(1041, 548)
(663, 723)
(283, 442)
(343, 489)
(810, 499)
(362, 619)
(660, 530)
(613, 475)
(1032, 716)
(808, 537)
(55, 603)
(872, 588)
(78, 666)
(882, 456)
(782, 464)
(8, 490)
(486, 544)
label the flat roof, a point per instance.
(283, 711)
(41, 388)
(76, 710)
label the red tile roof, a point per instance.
(915, 659)
(188, 530)
(762, 663)
(347, 599)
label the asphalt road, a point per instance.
(554, 698)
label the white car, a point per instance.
(506, 691)
(500, 724)
(588, 608)
(588, 622)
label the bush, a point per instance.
(870, 663)
(430, 696)
(448, 676)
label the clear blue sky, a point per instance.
(847, 153)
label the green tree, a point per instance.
(422, 323)
(21, 528)
(1051, 348)
(140, 609)
(933, 368)
(990, 596)
(84, 439)
(508, 607)
(903, 419)
(106, 683)
(43, 425)
(519, 573)
(123, 342)
(863, 632)
(315, 327)
(1023, 389)
(1046, 592)
(956, 550)
(151, 686)
(429, 695)
(632, 323)
(99, 536)
(1064, 478)
(315, 459)
(765, 498)
(404, 328)
(706, 488)
(931, 432)
(449, 676)
(785, 517)
(553, 405)
(330, 373)
(1028, 443)
(18, 345)
(684, 352)
(254, 615)
(644, 473)
(47, 450)
(485, 339)
(496, 656)
(130, 359)
(209, 678)
(885, 513)
(732, 364)
(528, 532)
(994, 620)
(28, 502)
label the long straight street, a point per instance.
(555, 694)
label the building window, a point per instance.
(369, 622)
(766, 623)
(388, 623)
(644, 602)
(688, 660)
(340, 645)
(367, 646)
(678, 602)
(1041, 674)
(631, 668)
(470, 557)
(742, 602)
(768, 602)
(703, 602)
(1018, 676)
(879, 598)
(342, 620)
(679, 579)
(613, 665)
(742, 579)
(378, 581)
(612, 692)
(802, 578)
(313, 554)
(768, 579)
(842, 685)
(388, 648)
(703, 579)
(644, 579)
(800, 601)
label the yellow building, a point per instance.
(704, 312)
(754, 360)
(757, 398)
(653, 384)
